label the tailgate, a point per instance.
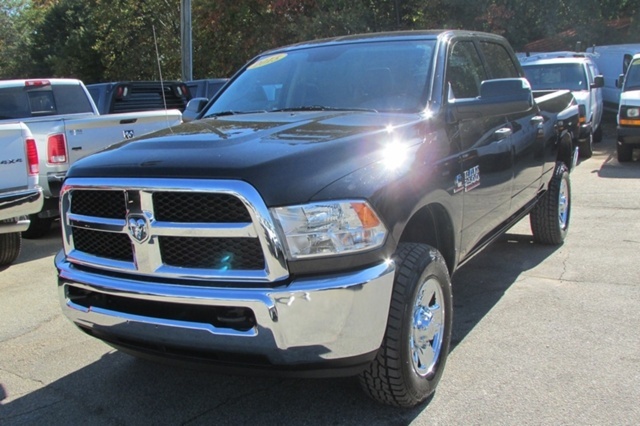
(88, 135)
(13, 161)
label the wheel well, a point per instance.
(432, 225)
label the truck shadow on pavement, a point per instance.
(119, 389)
(611, 168)
(480, 284)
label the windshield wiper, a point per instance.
(322, 108)
(232, 112)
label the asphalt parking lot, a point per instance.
(542, 335)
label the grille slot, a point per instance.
(212, 253)
(103, 244)
(199, 207)
(108, 204)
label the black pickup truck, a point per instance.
(132, 96)
(309, 220)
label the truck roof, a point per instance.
(385, 36)
(22, 82)
(531, 60)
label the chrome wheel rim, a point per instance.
(427, 327)
(563, 204)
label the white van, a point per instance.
(629, 111)
(575, 72)
(612, 60)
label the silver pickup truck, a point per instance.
(20, 194)
(66, 126)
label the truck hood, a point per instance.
(288, 157)
(632, 97)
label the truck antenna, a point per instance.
(164, 99)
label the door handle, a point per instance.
(503, 133)
(537, 120)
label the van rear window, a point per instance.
(27, 102)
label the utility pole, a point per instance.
(185, 37)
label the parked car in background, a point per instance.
(20, 194)
(203, 91)
(205, 88)
(629, 111)
(131, 96)
(612, 60)
(576, 72)
(66, 126)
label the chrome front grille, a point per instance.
(187, 229)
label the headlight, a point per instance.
(633, 112)
(329, 228)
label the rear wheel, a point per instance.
(10, 245)
(625, 152)
(550, 217)
(413, 354)
(38, 227)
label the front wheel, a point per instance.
(414, 351)
(585, 148)
(597, 135)
(550, 217)
(625, 152)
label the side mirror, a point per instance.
(598, 82)
(497, 97)
(194, 107)
(620, 81)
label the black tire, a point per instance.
(625, 152)
(552, 213)
(10, 245)
(597, 135)
(585, 148)
(402, 375)
(38, 227)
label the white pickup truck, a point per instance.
(66, 126)
(20, 194)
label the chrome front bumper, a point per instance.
(310, 321)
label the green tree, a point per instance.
(62, 44)
(125, 38)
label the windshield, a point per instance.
(556, 76)
(383, 76)
(632, 79)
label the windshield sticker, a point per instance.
(267, 61)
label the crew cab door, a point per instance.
(527, 147)
(484, 143)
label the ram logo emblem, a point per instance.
(138, 228)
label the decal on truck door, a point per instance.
(469, 180)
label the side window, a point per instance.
(499, 61)
(465, 71)
(626, 61)
(591, 72)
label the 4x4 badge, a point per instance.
(138, 228)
